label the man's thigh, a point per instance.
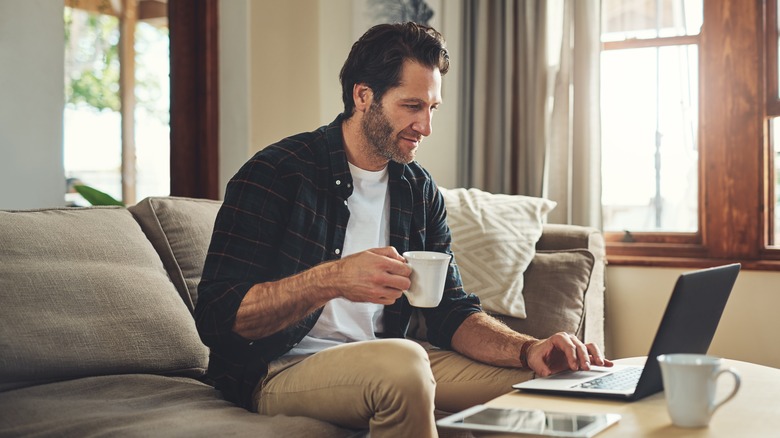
(341, 384)
(462, 382)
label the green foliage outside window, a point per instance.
(92, 64)
(92, 60)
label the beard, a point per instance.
(380, 137)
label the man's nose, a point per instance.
(423, 124)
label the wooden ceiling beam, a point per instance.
(104, 7)
(147, 9)
(152, 9)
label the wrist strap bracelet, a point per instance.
(524, 352)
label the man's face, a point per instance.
(395, 126)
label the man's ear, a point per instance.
(362, 95)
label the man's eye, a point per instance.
(413, 106)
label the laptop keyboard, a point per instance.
(619, 380)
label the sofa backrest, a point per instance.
(562, 287)
(180, 230)
(83, 293)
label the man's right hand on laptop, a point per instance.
(562, 352)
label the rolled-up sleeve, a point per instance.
(239, 255)
(456, 304)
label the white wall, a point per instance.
(335, 41)
(235, 85)
(439, 152)
(285, 69)
(32, 97)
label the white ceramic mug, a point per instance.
(690, 382)
(429, 273)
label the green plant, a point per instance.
(95, 196)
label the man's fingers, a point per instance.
(601, 361)
(596, 356)
(563, 351)
(396, 267)
(397, 283)
(388, 251)
(393, 262)
(543, 371)
(576, 353)
(582, 358)
(388, 296)
(562, 341)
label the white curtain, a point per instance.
(530, 120)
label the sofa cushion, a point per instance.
(180, 230)
(84, 293)
(494, 238)
(142, 406)
(555, 286)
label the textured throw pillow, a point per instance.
(83, 293)
(554, 292)
(180, 230)
(494, 239)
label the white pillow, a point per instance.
(494, 240)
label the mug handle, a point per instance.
(737, 382)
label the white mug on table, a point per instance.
(690, 382)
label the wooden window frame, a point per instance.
(736, 59)
(771, 35)
(194, 49)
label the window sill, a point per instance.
(689, 262)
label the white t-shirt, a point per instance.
(369, 218)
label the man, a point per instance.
(301, 296)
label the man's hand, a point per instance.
(561, 352)
(377, 275)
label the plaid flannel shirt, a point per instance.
(284, 212)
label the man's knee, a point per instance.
(404, 366)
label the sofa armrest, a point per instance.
(565, 285)
(557, 237)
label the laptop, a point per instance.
(688, 326)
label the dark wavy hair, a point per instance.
(376, 59)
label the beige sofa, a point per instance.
(97, 337)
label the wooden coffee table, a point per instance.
(754, 412)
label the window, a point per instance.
(650, 154)
(689, 119)
(116, 118)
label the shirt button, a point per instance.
(338, 182)
(337, 251)
(345, 202)
(252, 343)
(349, 185)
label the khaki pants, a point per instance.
(390, 386)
